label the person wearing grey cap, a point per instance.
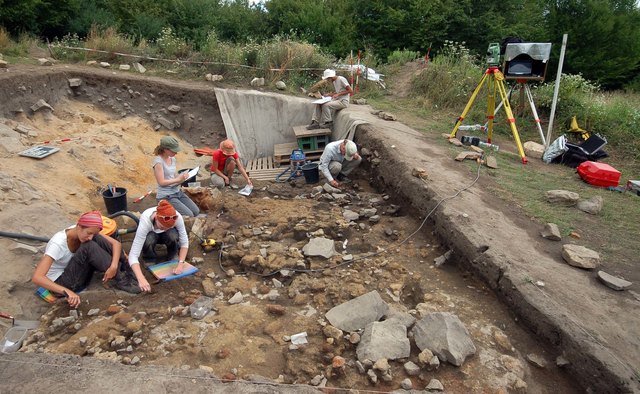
(339, 100)
(338, 159)
(164, 169)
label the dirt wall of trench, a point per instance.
(590, 365)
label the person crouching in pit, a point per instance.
(72, 256)
(159, 225)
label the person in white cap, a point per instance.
(339, 100)
(338, 159)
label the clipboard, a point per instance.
(324, 99)
(193, 172)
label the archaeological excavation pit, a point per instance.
(265, 285)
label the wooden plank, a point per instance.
(301, 131)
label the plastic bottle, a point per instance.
(488, 146)
(472, 127)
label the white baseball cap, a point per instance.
(350, 150)
(328, 73)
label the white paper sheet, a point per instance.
(193, 172)
(324, 99)
(246, 190)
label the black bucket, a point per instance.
(311, 173)
(192, 179)
(115, 203)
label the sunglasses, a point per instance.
(174, 217)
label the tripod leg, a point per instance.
(510, 118)
(535, 113)
(468, 106)
(491, 106)
(486, 124)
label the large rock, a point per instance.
(139, 68)
(593, 205)
(551, 232)
(444, 334)
(579, 256)
(613, 282)
(40, 104)
(533, 149)
(562, 197)
(386, 339)
(319, 246)
(166, 123)
(358, 312)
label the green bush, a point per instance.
(402, 57)
(70, 40)
(450, 78)
(172, 46)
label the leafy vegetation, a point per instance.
(604, 35)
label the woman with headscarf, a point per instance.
(169, 182)
(72, 256)
(159, 225)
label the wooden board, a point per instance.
(282, 152)
(264, 169)
(301, 131)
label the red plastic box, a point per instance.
(598, 174)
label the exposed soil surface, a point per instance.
(261, 234)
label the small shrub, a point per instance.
(5, 39)
(109, 40)
(172, 46)
(70, 40)
(402, 57)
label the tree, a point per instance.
(603, 38)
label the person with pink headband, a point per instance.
(72, 256)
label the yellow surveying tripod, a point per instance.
(495, 82)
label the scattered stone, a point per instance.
(174, 108)
(350, 215)
(358, 312)
(119, 342)
(41, 104)
(45, 62)
(454, 141)
(444, 334)
(281, 85)
(330, 331)
(113, 309)
(3, 64)
(124, 67)
(236, 299)
(434, 384)
(536, 360)
(386, 339)
(319, 246)
(613, 282)
(256, 82)
(411, 368)
(316, 380)
(74, 82)
(551, 232)
(166, 123)
(105, 65)
(354, 338)
(93, 312)
(338, 362)
(502, 340)
(347, 257)
(374, 219)
(424, 357)
(372, 376)
(23, 249)
(92, 63)
(579, 256)
(434, 363)
(575, 234)
(406, 384)
(561, 361)
(439, 261)
(205, 368)
(468, 155)
(360, 101)
(491, 162)
(123, 318)
(419, 173)
(139, 68)
(214, 77)
(592, 206)
(277, 310)
(330, 189)
(562, 197)
(382, 365)
(533, 149)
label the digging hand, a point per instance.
(334, 183)
(72, 298)
(144, 285)
(109, 274)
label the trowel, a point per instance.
(28, 324)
